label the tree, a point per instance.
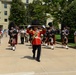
(17, 12)
(36, 11)
(64, 12)
(57, 8)
(70, 18)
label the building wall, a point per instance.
(50, 19)
(0, 13)
(4, 17)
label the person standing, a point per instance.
(17, 29)
(50, 36)
(0, 35)
(22, 35)
(26, 37)
(12, 40)
(65, 33)
(36, 40)
(75, 37)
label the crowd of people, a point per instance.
(37, 35)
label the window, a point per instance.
(5, 12)
(5, 20)
(5, 5)
(27, 1)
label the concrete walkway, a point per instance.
(59, 61)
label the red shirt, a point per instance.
(37, 40)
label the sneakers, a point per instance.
(63, 46)
(52, 47)
(13, 48)
(46, 45)
(66, 47)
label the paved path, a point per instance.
(59, 61)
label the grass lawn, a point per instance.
(58, 39)
(72, 44)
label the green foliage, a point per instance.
(70, 17)
(36, 11)
(57, 8)
(64, 12)
(17, 12)
(55, 24)
(58, 37)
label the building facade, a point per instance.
(5, 12)
(5, 6)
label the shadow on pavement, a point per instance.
(46, 47)
(8, 48)
(68, 46)
(28, 45)
(28, 57)
(58, 47)
(72, 47)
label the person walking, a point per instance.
(75, 37)
(17, 29)
(65, 33)
(50, 36)
(12, 40)
(0, 35)
(36, 40)
(22, 35)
